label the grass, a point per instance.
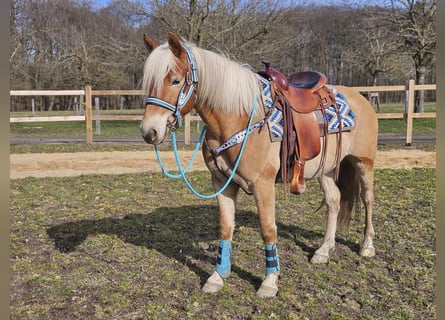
(74, 128)
(398, 126)
(400, 108)
(140, 247)
(78, 147)
(130, 129)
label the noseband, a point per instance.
(191, 80)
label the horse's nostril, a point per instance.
(150, 136)
(153, 134)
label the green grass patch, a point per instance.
(400, 108)
(62, 128)
(130, 129)
(398, 126)
(140, 246)
(108, 147)
(77, 147)
(74, 128)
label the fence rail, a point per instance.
(88, 94)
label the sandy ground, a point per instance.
(80, 163)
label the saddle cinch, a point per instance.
(298, 97)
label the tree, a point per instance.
(64, 44)
(415, 22)
(240, 29)
(383, 60)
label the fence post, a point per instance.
(88, 114)
(81, 104)
(75, 107)
(409, 114)
(187, 129)
(97, 107)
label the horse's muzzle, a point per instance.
(154, 130)
(151, 136)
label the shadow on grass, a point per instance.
(187, 234)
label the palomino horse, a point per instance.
(179, 76)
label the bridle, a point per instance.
(191, 81)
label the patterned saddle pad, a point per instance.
(276, 120)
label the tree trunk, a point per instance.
(51, 103)
(420, 95)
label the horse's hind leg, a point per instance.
(365, 168)
(332, 199)
(226, 205)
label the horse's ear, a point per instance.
(149, 43)
(175, 44)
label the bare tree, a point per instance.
(235, 28)
(381, 58)
(64, 44)
(414, 21)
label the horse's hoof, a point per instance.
(368, 252)
(213, 284)
(269, 287)
(298, 189)
(319, 259)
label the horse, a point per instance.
(180, 76)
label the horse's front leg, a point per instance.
(265, 200)
(226, 205)
(332, 200)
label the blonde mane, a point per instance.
(158, 64)
(224, 85)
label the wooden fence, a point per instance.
(88, 94)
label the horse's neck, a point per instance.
(220, 126)
(213, 124)
(221, 122)
(225, 85)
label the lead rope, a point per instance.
(182, 172)
(195, 152)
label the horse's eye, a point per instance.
(176, 82)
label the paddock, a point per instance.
(139, 246)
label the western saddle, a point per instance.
(298, 96)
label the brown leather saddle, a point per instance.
(298, 96)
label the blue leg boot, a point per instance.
(269, 287)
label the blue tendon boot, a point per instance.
(223, 265)
(269, 287)
(272, 260)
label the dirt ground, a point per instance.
(73, 164)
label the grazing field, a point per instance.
(139, 246)
(130, 128)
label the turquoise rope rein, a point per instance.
(195, 152)
(182, 172)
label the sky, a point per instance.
(100, 3)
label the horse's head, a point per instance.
(170, 79)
